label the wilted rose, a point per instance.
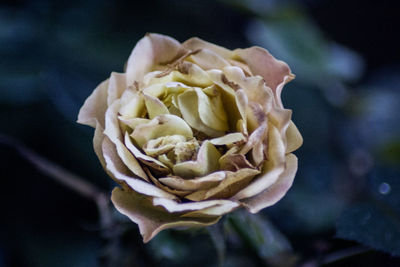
(193, 131)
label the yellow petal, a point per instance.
(154, 106)
(188, 105)
(228, 139)
(228, 187)
(120, 173)
(162, 125)
(206, 162)
(149, 161)
(293, 137)
(199, 183)
(206, 112)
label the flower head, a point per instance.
(193, 131)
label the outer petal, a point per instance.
(293, 138)
(275, 72)
(197, 43)
(274, 193)
(117, 169)
(95, 106)
(117, 85)
(150, 219)
(151, 50)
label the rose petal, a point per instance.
(162, 125)
(131, 104)
(176, 192)
(275, 192)
(150, 219)
(213, 211)
(207, 59)
(206, 162)
(234, 162)
(188, 105)
(293, 138)
(149, 161)
(117, 85)
(120, 172)
(113, 132)
(154, 106)
(204, 182)
(272, 168)
(228, 187)
(151, 50)
(207, 112)
(173, 206)
(275, 72)
(95, 106)
(228, 139)
(197, 43)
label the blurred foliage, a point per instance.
(54, 53)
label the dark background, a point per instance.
(345, 101)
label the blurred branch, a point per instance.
(216, 234)
(64, 177)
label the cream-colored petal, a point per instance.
(208, 59)
(188, 105)
(228, 139)
(293, 138)
(95, 106)
(120, 172)
(255, 138)
(234, 162)
(197, 43)
(162, 125)
(173, 206)
(150, 219)
(275, 72)
(199, 183)
(175, 192)
(273, 166)
(206, 162)
(131, 104)
(228, 187)
(149, 161)
(113, 132)
(254, 87)
(117, 85)
(154, 106)
(161, 145)
(207, 112)
(228, 98)
(217, 210)
(98, 143)
(151, 50)
(275, 192)
(132, 122)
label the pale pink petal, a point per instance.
(117, 85)
(275, 72)
(151, 50)
(117, 169)
(150, 219)
(197, 43)
(275, 192)
(95, 106)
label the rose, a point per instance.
(193, 131)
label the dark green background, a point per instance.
(345, 101)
